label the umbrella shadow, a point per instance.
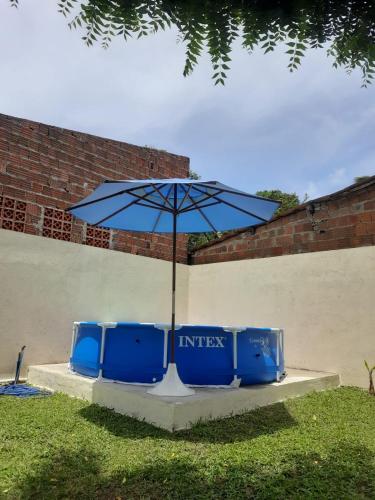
(266, 420)
(343, 472)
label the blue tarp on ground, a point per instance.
(21, 391)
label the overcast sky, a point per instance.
(310, 132)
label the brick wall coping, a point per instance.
(85, 135)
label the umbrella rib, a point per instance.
(247, 195)
(165, 198)
(238, 208)
(184, 198)
(196, 203)
(151, 201)
(133, 202)
(123, 191)
(242, 210)
(202, 213)
(160, 212)
(138, 202)
(199, 206)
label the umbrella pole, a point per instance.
(172, 385)
(174, 287)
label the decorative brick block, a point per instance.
(12, 214)
(98, 237)
(57, 224)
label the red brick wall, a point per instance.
(45, 169)
(343, 220)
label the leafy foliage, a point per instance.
(346, 27)
(194, 175)
(199, 239)
(362, 178)
(288, 200)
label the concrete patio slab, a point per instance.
(173, 413)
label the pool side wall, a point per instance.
(139, 353)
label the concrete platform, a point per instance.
(178, 413)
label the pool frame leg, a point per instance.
(236, 381)
(283, 374)
(166, 329)
(279, 351)
(104, 327)
(74, 339)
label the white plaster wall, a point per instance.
(324, 300)
(45, 285)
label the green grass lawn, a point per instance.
(318, 446)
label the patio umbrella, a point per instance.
(172, 206)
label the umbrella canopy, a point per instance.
(150, 205)
(172, 206)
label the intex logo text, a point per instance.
(263, 341)
(200, 341)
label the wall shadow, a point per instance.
(266, 420)
(343, 472)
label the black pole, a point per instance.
(18, 365)
(174, 273)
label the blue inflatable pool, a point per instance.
(205, 355)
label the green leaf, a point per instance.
(348, 30)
